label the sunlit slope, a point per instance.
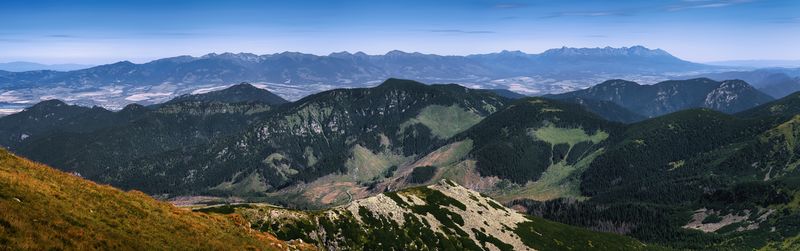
(42, 209)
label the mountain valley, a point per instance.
(711, 173)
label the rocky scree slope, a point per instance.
(443, 216)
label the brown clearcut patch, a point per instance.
(330, 197)
(473, 180)
(190, 201)
(436, 157)
(330, 192)
(520, 208)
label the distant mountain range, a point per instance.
(20, 66)
(295, 75)
(625, 60)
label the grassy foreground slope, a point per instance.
(43, 209)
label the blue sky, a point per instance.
(97, 32)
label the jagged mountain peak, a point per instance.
(399, 53)
(347, 54)
(242, 56)
(637, 50)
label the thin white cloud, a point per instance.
(705, 4)
(789, 20)
(588, 14)
(510, 5)
(462, 31)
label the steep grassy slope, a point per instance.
(45, 209)
(445, 122)
(444, 216)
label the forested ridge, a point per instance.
(696, 178)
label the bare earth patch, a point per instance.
(699, 215)
(191, 201)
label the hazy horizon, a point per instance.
(735, 62)
(146, 60)
(101, 32)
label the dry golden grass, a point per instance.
(42, 209)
